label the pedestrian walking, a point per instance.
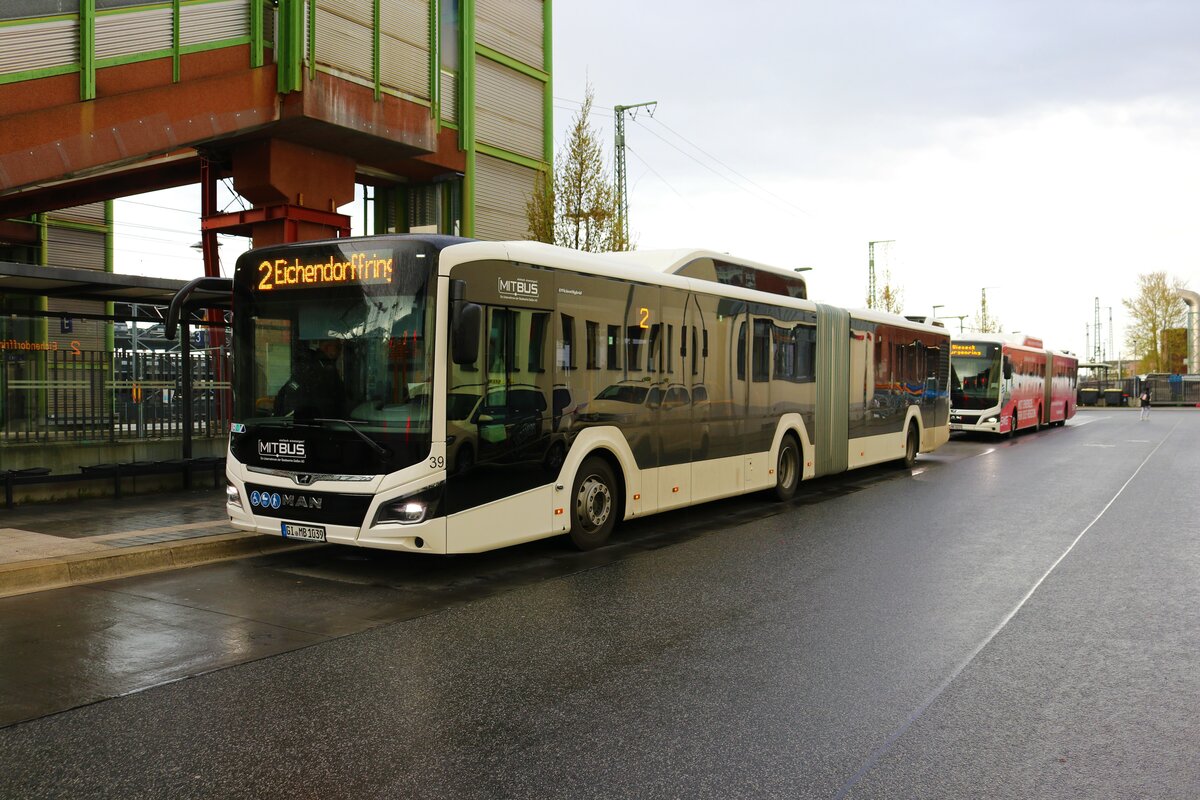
(1144, 399)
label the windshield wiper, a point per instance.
(272, 422)
(376, 446)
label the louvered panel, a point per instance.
(133, 32)
(407, 20)
(449, 95)
(360, 12)
(66, 247)
(502, 192)
(72, 306)
(509, 109)
(343, 44)
(512, 27)
(92, 213)
(213, 22)
(39, 45)
(89, 333)
(403, 67)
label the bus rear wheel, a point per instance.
(787, 469)
(593, 504)
(912, 446)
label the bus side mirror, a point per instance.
(465, 319)
(1007, 369)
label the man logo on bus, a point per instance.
(517, 289)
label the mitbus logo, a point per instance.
(281, 449)
(517, 288)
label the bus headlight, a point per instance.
(412, 509)
(232, 495)
(408, 512)
(991, 420)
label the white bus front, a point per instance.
(333, 436)
(977, 387)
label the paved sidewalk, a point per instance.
(50, 545)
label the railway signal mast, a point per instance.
(619, 169)
(871, 303)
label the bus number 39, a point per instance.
(437, 462)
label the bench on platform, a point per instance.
(32, 476)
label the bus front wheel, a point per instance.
(593, 504)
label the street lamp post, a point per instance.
(935, 308)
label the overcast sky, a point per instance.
(1045, 149)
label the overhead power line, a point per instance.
(656, 174)
(725, 172)
(751, 181)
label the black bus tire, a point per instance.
(593, 504)
(787, 469)
(912, 446)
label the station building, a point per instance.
(441, 109)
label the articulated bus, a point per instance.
(435, 394)
(1003, 384)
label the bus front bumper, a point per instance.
(975, 422)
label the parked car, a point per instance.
(505, 424)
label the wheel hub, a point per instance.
(594, 502)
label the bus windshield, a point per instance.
(332, 371)
(975, 375)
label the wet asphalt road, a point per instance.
(1013, 619)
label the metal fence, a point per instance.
(1173, 390)
(81, 395)
(1165, 390)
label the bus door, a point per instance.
(498, 417)
(643, 373)
(1049, 413)
(675, 409)
(721, 344)
(758, 428)
(512, 422)
(693, 355)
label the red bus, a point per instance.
(1002, 384)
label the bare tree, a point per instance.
(987, 323)
(578, 209)
(891, 298)
(1157, 308)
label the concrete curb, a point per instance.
(22, 577)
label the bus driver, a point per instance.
(315, 389)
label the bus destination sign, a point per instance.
(297, 273)
(966, 350)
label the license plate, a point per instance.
(308, 533)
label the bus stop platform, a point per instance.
(52, 545)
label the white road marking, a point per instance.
(883, 749)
